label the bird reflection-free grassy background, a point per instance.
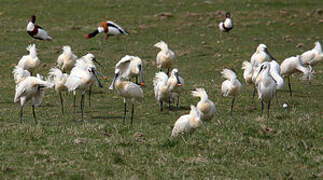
(226, 147)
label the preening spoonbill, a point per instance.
(292, 65)
(31, 89)
(262, 54)
(109, 28)
(31, 61)
(231, 86)
(205, 106)
(130, 92)
(19, 74)
(165, 57)
(58, 78)
(80, 79)
(131, 66)
(36, 31)
(227, 24)
(266, 86)
(176, 86)
(313, 56)
(187, 123)
(66, 60)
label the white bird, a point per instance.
(109, 28)
(165, 57)
(248, 72)
(262, 54)
(227, 24)
(19, 74)
(176, 86)
(80, 79)
(292, 65)
(130, 92)
(313, 56)
(205, 106)
(31, 61)
(58, 78)
(187, 123)
(36, 31)
(131, 66)
(66, 60)
(266, 86)
(31, 89)
(163, 88)
(231, 86)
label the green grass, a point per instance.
(227, 148)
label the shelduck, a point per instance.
(36, 31)
(109, 28)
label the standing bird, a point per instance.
(66, 60)
(231, 86)
(109, 28)
(292, 65)
(31, 61)
(36, 31)
(261, 55)
(176, 86)
(165, 57)
(313, 56)
(227, 24)
(31, 89)
(248, 72)
(266, 87)
(19, 74)
(130, 66)
(58, 78)
(130, 92)
(205, 106)
(187, 123)
(80, 79)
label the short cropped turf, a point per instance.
(104, 148)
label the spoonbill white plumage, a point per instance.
(58, 78)
(130, 92)
(227, 24)
(262, 54)
(80, 79)
(19, 74)
(313, 56)
(187, 123)
(109, 28)
(231, 86)
(205, 106)
(31, 61)
(36, 31)
(176, 86)
(131, 66)
(248, 72)
(165, 57)
(31, 89)
(66, 60)
(292, 65)
(266, 86)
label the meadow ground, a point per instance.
(226, 148)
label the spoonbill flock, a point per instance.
(78, 75)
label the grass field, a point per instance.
(103, 147)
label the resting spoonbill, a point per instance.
(292, 65)
(109, 28)
(66, 60)
(131, 66)
(58, 78)
(231, 86)
(313, 56)
(262, 54)
(19, 74)
(80, 79)
(165, 57)
(36, 31)
(187, 123)
(227, 24)
(31, 61)
(266, 86)
(205, 106)
(31, 89)
(130, 92)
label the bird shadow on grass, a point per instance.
(180, 108)
(106, 117)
